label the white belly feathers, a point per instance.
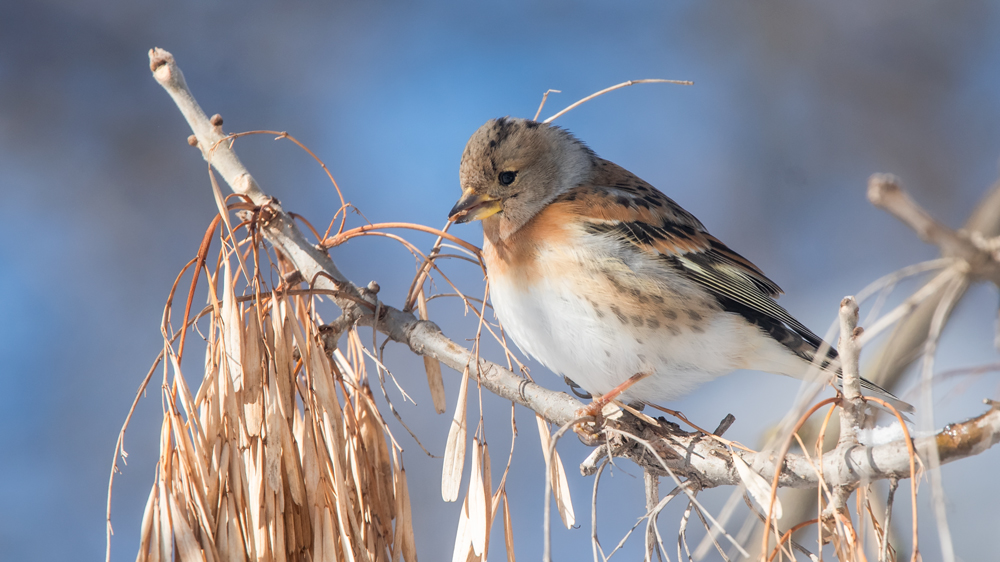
(579, 336)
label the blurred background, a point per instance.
(795, 104)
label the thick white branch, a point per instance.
(708, 462)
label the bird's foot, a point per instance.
(590, 432)
(591, 427)
(577, 389)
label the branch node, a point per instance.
(881, 187)
(157, 58)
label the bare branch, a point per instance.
(852, 409)
(849, 350)
(690, 454)
(885, 192)
(907, 339)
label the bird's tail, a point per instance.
(803, 356)
(831, 363)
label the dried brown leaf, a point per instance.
(403, 541)
(222, 531)
(350, 539)
(284, 365)
(237, 481)
(432, 366)
(488, 498)
(557, 475)
(273, 440)
(454, 449)
(146, 529)
(222, 475)
(477, 501)
(253, 374)
(329, 538)
(232, 329)
(373, 439)
(253, 462)
(277, 533)
(463, 536)
(320, 374)
(310, 465)
(508, 529)
(237, 545)
(757, 485)
(214, 482)
(163, 515)
(188, 549)
(290, 460)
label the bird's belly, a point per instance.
(599, 344)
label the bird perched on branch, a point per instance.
(608, 282)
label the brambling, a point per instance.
(607, 281)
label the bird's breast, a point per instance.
(598, 316)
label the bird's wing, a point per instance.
(633, 212)
(618, 204)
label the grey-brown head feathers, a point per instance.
(524, 164)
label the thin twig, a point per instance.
(886, 524)
(777, 473)
(545, 96)
(613, 88)
(594, 541)
(926, 418)
(651, 484)
(690, 494)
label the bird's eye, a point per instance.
(507, 178)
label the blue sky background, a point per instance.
(795, 104)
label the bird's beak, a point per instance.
(473, 207)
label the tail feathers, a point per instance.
(868, 387)
(789, 335)
(832, 363)
(777, 359)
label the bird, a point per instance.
(608, 282)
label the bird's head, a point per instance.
(512, 168)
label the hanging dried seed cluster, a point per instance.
(281, 454)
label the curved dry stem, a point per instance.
(574, 105)
(201, 259)
(777, 473)
(348, 234)
(788, 534)
(418, 280)
(690, 494)
(913, 467)
(308, 224)
(940, 281)
(595, 543)
(926, 421)
(279, 135)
